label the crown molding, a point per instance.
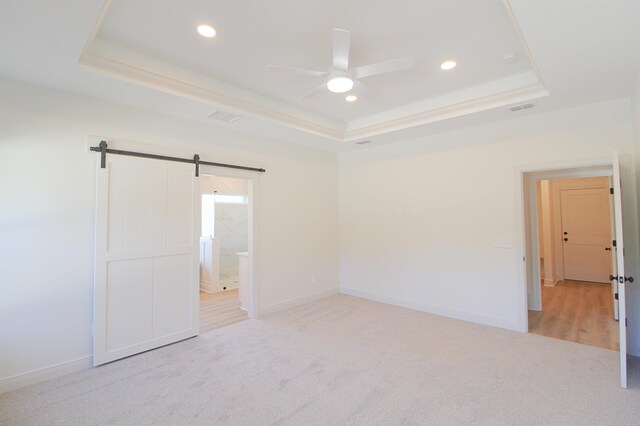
(126, 68)
(523, 40)
(459, 109)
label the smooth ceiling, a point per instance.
(254, 34)
(583, 52)
(155, 45)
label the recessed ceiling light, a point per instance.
(448, 65)
(351, 98)
(340, 84)
(206, 31)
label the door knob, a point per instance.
(607, 248)
(620, 279)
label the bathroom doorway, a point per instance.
(224, 251)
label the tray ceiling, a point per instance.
(155, 44)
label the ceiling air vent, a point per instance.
(227, 117)
(362, 142)
(521, 107)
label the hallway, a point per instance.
(579, 312)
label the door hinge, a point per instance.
(614, 243)
(615, 296)
(625, 322)
(611, 191)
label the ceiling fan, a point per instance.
(340, 78)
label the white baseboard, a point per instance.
(550, 282)
(434, 309)
(41, 374)
(277, 307)
(206, 287)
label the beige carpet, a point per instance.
(340, 361)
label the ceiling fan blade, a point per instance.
(314, 91)
(384, 67)
(303, 71)
(341, 45)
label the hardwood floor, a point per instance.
(220, 309)
(579, 312)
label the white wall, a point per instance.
(541, 214)
(211, 183)
(47, 196)
(232, 221)
(545, 230)
(418, 219)
(633, 290)
(635, 112)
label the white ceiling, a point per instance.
(253, 34)
(148, 54)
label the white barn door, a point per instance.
(146, 259)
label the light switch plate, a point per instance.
(502, 242)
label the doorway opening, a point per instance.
(570, 233)
(224, 251)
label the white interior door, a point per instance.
(622, 312)
(586, 227)
(146, 269)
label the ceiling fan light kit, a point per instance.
(340, 84)
(340, 78)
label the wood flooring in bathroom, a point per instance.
(220, 309)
